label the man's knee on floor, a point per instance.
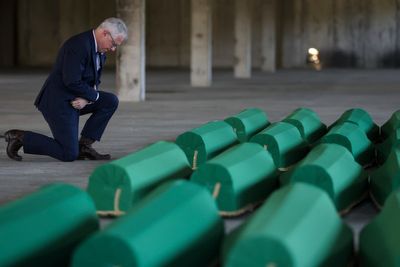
(114, 101)
(70, 155)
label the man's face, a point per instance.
(107, 43)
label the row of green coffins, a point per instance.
(386, 178)
(239, 175)
(231, 192)
(178, 225)
(283, 139)
(117, 185)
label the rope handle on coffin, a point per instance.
(194, 165)
(116, 211)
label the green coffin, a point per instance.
(354, 139)
(239, 178)
(308, 122)
(43, 228)
(176, 225)
(297, 226)
(384, 149)
(391, 125)
(206, 141)
(116, 185)
(380, 239)
(284, 142)
(248, 122)
(386, 178)
(332, 168)
(361, 118)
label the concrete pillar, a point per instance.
(8, 33)
(242, 67)
(130, 74)
(201, 47)
(268, 35)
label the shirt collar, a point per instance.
(95, 42)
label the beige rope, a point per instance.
(265, 147)
(353, 204)
(117, 197)
(217, 188)
(195, 159)
(374, 201)
(236, 213)
(116, 211)
(108, 213)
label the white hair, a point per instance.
(116, 27)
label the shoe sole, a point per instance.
(8, 139)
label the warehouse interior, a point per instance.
(189, 62)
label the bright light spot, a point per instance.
(313, 51)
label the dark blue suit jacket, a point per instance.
(73, 75)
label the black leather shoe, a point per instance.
(88, 152)
(14, 138)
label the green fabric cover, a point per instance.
(283, 140)
(384, 149)
(248, 122)
(308, 122)
(391, 125)
(297, 226)
(208, 140)
(176, 225)
(332, 168)
(135, 175)
(43, 228)
(246, 173)
(361, 118)
(386, 178)
(380, 239)
(354, 139)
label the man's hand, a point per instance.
(79, 103)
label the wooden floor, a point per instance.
(173, 106)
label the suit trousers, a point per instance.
(64, 126)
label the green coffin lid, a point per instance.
(386, 178)
(384, 149)
(391, 125)
(206, 141)
(248, 122)
(354, 139)
(380, 239)
(284, 142)
(308, 122)
(43, 228)
(297, 226)
(332, 168)
(239, 178)
(116, 185)
(361, 118)
(176, 225)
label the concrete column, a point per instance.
(242, 63)
(268, 35)
(8, 33)
(130, 74)
(201, 47)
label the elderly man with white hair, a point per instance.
(71, 90)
